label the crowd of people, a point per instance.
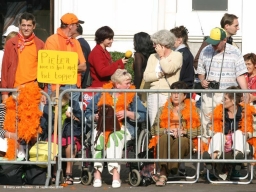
(162, 61)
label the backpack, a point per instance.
(35, 175)
(12, 174)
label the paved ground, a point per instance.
(201, 186)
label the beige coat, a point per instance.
(171, 67)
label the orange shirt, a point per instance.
(58, 42)
(27, 65)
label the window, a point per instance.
(41, 9)
(209, 5)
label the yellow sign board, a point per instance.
(57, 67)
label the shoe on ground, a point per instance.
(206, 155)
(238, 166)
(223, 176)
(116, 184)
(182, 172)
(97, 183)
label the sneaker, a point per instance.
(97, 183)
(223, 176)
(116, 184)
(206, 155)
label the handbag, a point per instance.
(39, 152)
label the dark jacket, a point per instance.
(187, 72)
(231, 125)
(102, 66)
(76, 110)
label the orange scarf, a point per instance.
(27, 115)
(245, 126)
(193, 122)
(23, 42)
(123, 102)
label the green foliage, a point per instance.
(119, 55)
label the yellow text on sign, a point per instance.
(57, 67)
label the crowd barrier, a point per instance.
(136, 153)
(37, 160)
(141, 144)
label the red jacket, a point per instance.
(10, 61)
(102, 66)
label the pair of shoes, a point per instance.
(206, 155)
(97, 183)
(69, 179)
(116, 183)
(238, 166)
(155, 178)
(162, 181)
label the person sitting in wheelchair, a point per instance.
(177, 121)
(238, 128)
(128, 109)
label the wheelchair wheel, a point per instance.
(134, 178)
(86, 177)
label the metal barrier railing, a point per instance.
(146, 159)
(26, 160)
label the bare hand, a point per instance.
(120, 115)
(43, 99)
(68, 114)
(4, 97)
(160, 50)
(96, 117)
(205, 83)
(124, 60)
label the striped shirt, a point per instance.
(233, 65)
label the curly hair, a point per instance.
(181, 32)
(143, 44)
(121, 75)
(164, 37)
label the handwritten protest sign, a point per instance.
(57, 67)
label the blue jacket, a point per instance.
(130, 124)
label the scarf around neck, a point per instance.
(25, 41)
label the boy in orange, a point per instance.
(63, 41)
(19, 65)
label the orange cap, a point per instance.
(70, 18)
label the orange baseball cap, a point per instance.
(70, 18)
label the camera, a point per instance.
(213, 85)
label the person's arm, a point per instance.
(203, 45)
(150, 74)
(243, 84)
(132, 114)
(5, 69)
(101, 63)
(171, 66)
